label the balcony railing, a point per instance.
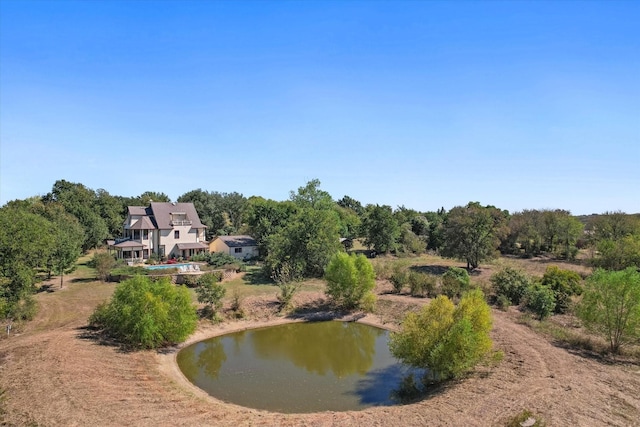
(180, 222)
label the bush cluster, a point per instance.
(146, 313)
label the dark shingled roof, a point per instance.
(162, 214)
(238, 241)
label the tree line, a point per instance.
(299, 235)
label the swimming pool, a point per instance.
(181, 267)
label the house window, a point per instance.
(238, 250)
(176, 234)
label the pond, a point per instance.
(298, 367)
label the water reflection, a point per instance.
(321, 348)
(211, 358)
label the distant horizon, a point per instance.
(335, 198)
(516, 104)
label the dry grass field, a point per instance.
(53, 372)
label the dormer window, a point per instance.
(176, 234)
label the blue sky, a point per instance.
(426, 104)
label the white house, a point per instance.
(241, 247)
(166, 229)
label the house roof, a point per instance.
(129, 244)
(238, 241)
(143, 223)
(197, 245)
(162, 211)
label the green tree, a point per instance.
(350, 278)
(26, 242)
(446, 339)
(82, 203)
(610, 306)
(145, 313)
(103, 263)
(265, 218)
(380, 228)
(472, 233)
(618, 254)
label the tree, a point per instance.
(446, 339)
(306, 243)
(145, 313)
(618, 254)
(80, 202)
(350, 278)
(310, 235)
(472, 233)
(103, 263)
(26, 242)
(610, 306)
(210, 293)
(67, 248)
(380, 228)
(265, 218)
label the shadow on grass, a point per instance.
(256, 276)
(436, 270)
(83, 279)
(100, 337)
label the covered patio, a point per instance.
(187, 250)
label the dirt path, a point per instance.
(53, 375)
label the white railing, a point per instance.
(180, 222)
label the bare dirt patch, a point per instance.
(52, 374)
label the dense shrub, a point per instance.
(147, 314)
(421, 284)
(511, 283)
(564, 284)
(540, 300)
(399, 279)
(446, 339)
(455, 282)
(349, 279)
(210, 293)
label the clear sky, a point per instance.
(426, 104)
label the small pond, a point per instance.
(298, 367)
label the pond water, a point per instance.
(298, 367)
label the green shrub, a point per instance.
(503, 302)
(446, 339)
(399, 279)
(565, 284)
(511, 283)
(147, 314)
(455, 282)
(540, 300)
(236, 305)
(421, 284)
(285, 296)
(210, 293)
